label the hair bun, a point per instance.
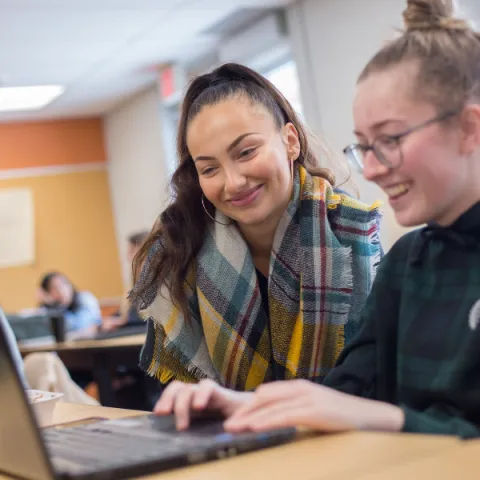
(432, 15)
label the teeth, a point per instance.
(397, 189)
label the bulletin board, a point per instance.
(17, 227)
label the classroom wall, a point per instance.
(138, 174)
(332, 40)
(64, 165)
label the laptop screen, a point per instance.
(21, 450)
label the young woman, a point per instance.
(259, 268)
(81, 309)
(414, 366)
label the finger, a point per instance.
(165, 405)
(203, 395)
(182, 406)
(290, 413)
(265, 395)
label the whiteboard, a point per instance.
(17, 227)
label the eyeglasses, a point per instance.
(386, 148)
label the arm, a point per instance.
(86, 316)
(348, 397)
(366, 368)
(366, 256)
(440, 420)
(356, 370)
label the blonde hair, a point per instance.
(446, 48)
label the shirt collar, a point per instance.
(469, 222)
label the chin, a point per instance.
(251, 218)
(251, 221)
(411, 219)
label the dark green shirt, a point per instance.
(419, 346)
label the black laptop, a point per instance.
(107, 449)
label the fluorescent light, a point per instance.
(28, 98)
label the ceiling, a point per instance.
(103, 51)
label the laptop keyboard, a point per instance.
(117, 444)
(88, 449)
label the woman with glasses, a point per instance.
(415, 364)
(259, 268)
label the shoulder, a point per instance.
(394, 263)
(355, 223)
(86, 298)
(344, 206)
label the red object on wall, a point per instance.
(167, 82)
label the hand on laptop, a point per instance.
(300, 403)
(185, 399)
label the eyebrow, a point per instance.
(378, 126)
(229, 149)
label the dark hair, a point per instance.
(446, 49)
(45, 285)
(181, 227)
(136, 239)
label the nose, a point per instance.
(372, 167)
(235, 180)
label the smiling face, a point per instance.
(429, 184)
(243, 160)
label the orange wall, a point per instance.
(42, 144)
(74, 228)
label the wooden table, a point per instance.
(90, 344)
(460, 463)
(97, 355)
(325, 457)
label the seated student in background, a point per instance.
(44, 371)
(128, 313)
(415, 364)
(80, 309)
(259, 267)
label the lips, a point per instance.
(246, 197)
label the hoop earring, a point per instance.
(206, 211)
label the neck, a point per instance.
(259, 237)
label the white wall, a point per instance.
(137, 169)
(331, 41)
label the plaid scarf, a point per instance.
(323, 261)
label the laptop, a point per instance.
(30, 326)
(124, 331)
(107, 449)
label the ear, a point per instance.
(291, 141)
(470, 129)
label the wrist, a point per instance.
(383, 416)
(394, 418)
(238, 399)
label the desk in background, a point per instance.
(99, 356)
(325, 457)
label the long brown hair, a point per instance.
(179, 232)
(446, 49)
